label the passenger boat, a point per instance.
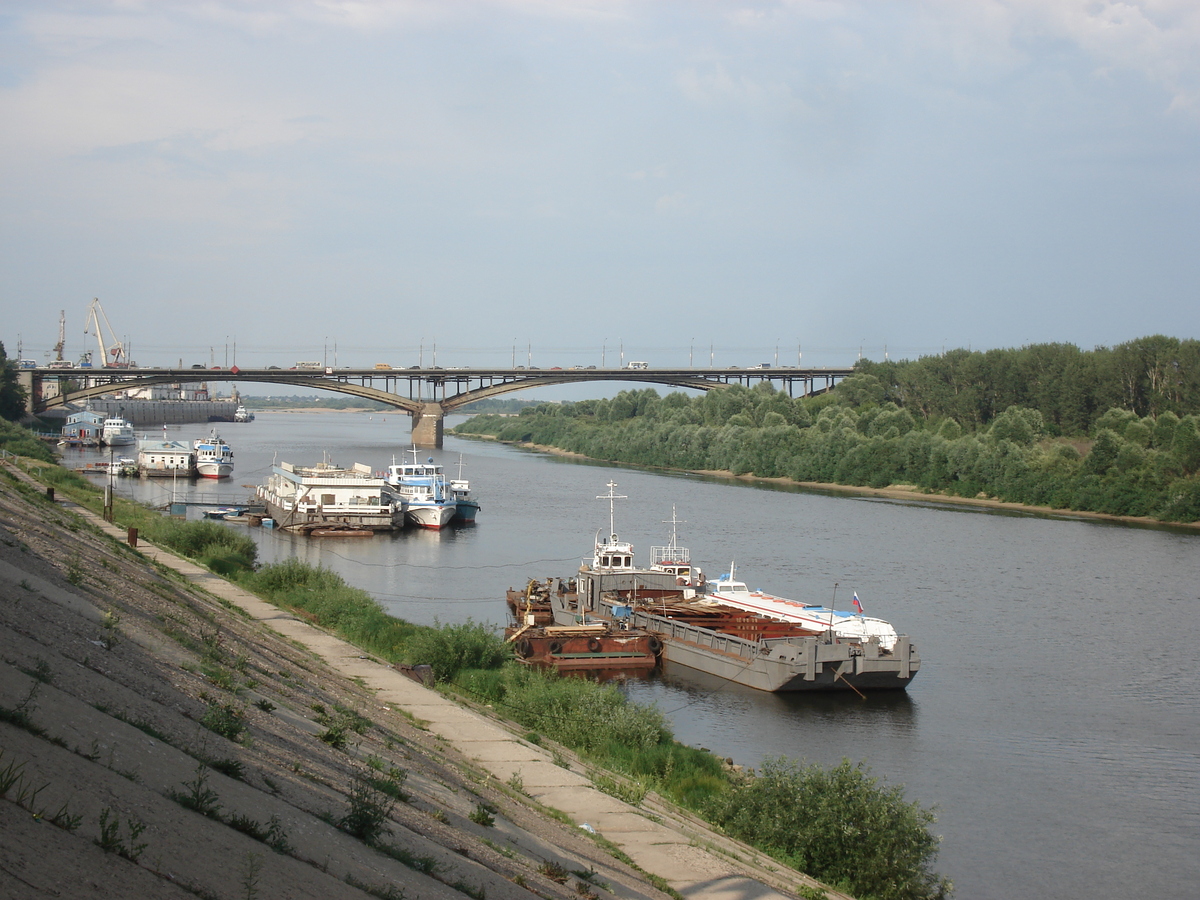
(706, 632)
(214, 457)
(117, 432)
(425, 491)
(326, 497)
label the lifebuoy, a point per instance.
(594, 645)
(524, 648)
(556, 646)
(655, 645)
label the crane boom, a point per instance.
(112, 354)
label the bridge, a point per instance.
(426, 394)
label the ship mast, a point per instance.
(611, 497)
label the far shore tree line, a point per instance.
(1113, 430)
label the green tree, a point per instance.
(12, 395)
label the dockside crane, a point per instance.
(112, 355)
(62, 335)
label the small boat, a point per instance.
(425, 491)
(465, 506)
(221, 512)
(241, 414)
(117, 432)
(127, 466)
(214, 457)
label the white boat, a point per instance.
(429, 501)
(243, 415)
(326, 497)
(117, 432)
(853, 626)
(214, 457)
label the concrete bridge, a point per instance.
(427, 395)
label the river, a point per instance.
(1055, 722)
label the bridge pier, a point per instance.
(427, 425)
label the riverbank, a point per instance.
(188, 739)
(892, 492)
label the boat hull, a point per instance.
(431, 516)
(214, 470)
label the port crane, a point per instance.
(62, 335)
(112, 355)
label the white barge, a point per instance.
(327, 498)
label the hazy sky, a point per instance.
(573, 176)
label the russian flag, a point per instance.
(857, 605)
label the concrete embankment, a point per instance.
(124, 656)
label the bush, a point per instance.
(451, 649)
(838, 825)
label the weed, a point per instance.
(25, 584)
(75, 571)
(559, 760)
(224, 719)
(506, 852)
(516, 782)
(21, 715)
(250, 876)
(474, 892)
(553, 871)
(271, 785)
(41, 672)
(64, 820)
(199, 796)
(272, 834)
(110, 840)
(426, 865)
(110, 622)
(369, 810)
(234, 768)
(391, 783)
(480, 815)
(631, 792)
(265, 705)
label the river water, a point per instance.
(1055, 722)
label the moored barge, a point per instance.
(699, 631)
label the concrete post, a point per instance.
(33, 393)
(427, 425)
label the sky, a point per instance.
(571, 182)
